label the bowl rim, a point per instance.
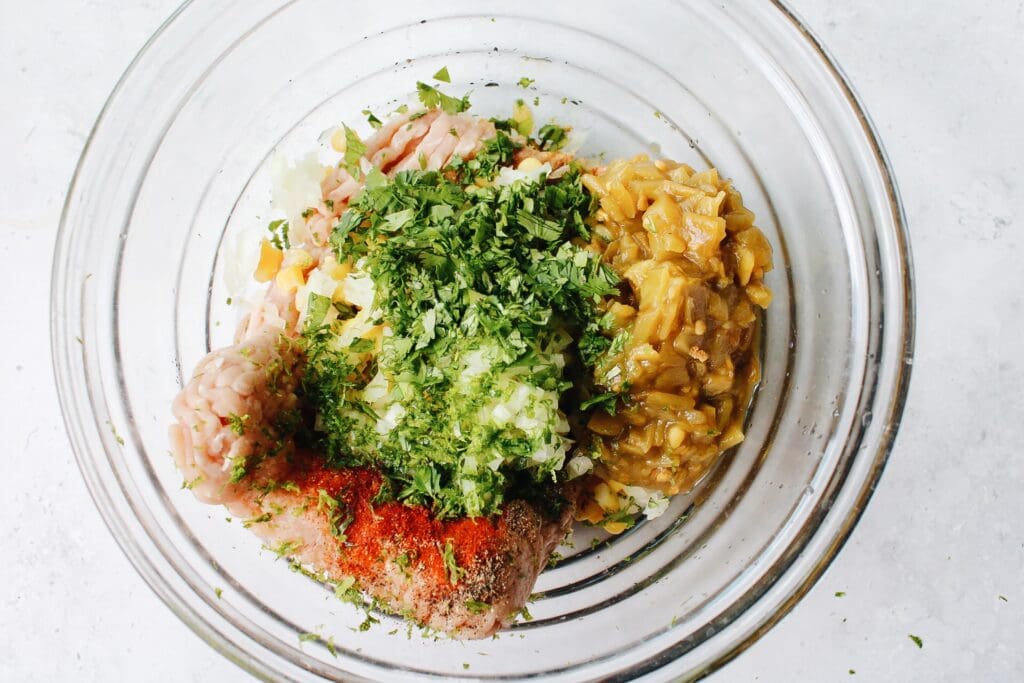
(65, 375)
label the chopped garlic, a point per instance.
(359, 290)
(508, 175)
(318, 282)
(578, 466)
(652, 503)
(390, 419)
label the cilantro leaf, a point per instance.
(374, 122)
(552, 137)
(316, 309)
(442, 75)
(547, 230)
(477, 606)
(354, 150)
(455, 572)
(606, 401)
(431, 97)
(361, 345)
(279, 234)
(338, 516)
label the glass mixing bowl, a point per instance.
(176, 170)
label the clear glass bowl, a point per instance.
(176, 170)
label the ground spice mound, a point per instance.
(383, 531)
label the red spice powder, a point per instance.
(383, 531)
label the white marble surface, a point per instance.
(940, 551)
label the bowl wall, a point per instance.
(176, 175)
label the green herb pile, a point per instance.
(488, 295)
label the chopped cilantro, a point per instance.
(270, 486)
(384, 494)
(372, 119)
(316, 637)
(354, 150)
(369, 621)
(552, 137)
(113, 430)
(917, 640)
(347, 591)
(338, 517)
(627, 516)
(240, 468)
(490, 273)
(402, 560)
(455, 572)
(192, 483)
(477, 606)
(432, 97)
(218, 592)
(840, 594)
(469, 275)
(525, 82)
(285, 548)
(361, 345)
(606, 401)
(495, 153)
(258, 519)
(442, 75)
(237, 423)
(317, 307)
(545, 229)
(279, 234)
(524, 614)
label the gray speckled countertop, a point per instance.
(940, 550)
